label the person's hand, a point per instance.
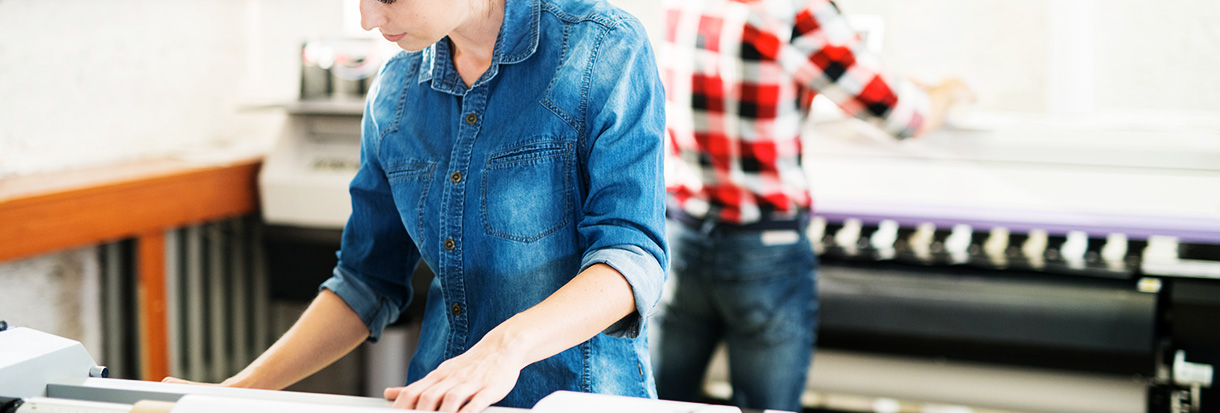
(468, 383)
(943, 96)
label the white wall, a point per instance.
(1135, 55)
(94, 82)
(88, 82)
(1159, 55)
(58, 294)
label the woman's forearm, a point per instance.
(327, 331)
(597, 298)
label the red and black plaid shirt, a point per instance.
(740, 77)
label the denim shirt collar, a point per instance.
(518, 39)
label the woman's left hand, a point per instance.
(483, 375)
(468, 383)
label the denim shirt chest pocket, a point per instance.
(409, 180)
(527, 189)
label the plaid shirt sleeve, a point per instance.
(740, 76)
(826, 55)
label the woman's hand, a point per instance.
(468, 383)
(327, 330)
(472, 381)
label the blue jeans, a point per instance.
(754, 290)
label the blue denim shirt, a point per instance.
(550, 163)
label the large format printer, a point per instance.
(43, 373)
(1024, 263)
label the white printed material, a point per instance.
(197, 403)
(568, 402)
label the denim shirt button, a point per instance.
(449, 244)
(457, 309)
(455, 177)
(471, 118)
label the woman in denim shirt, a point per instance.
(515, 147)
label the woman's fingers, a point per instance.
(425, 394)
(469, 382)
(406, 398)
(452, 394)
(456, 397)
(430, 399)
(480, 402)
(391, 393)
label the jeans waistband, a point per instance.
(797, 222)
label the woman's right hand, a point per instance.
(327, 330)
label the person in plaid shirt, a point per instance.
(740, 77)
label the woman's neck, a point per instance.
(475, 40)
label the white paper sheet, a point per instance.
(569, 402)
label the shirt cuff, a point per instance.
(642, 272)
(907, 117)
(375, 311)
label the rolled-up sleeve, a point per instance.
(624, 211)
(643, 273)
(373, 308)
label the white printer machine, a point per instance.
(44, 373)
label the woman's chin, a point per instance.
(413, 45)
